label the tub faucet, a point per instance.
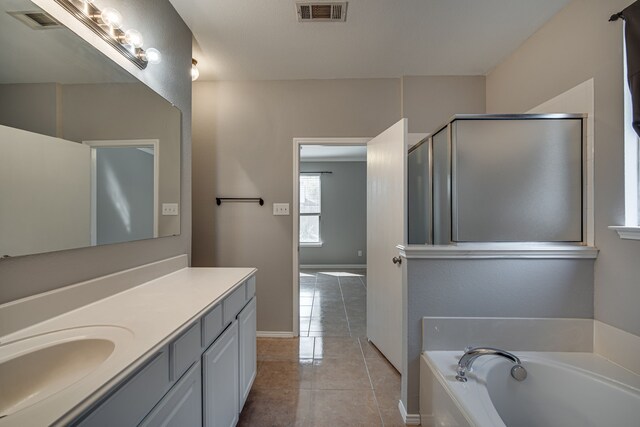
(471, 354)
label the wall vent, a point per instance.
(322, 11)
(36, 19)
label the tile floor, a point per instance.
(333, 303)
(331, 375)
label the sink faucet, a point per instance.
(471, 354)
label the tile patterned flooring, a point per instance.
(331, 375)
(333, 304)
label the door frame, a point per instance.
(156, 177)
(295, 208)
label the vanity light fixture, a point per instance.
(111, 17)
(152, 56)
(107, 23)
(133, 37)
(195, 73)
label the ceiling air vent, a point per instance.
(38, 20)
(322, 12)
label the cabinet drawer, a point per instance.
(182, 406)
(232, 304)
(129, 404)
(212, 325)
(184, 351)
(251, 287)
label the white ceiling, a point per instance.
(262, 40)
(333, 153)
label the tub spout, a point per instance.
(471, 354)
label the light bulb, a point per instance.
(133, 37)
(153, 56)
(111, 17)
(195, 73)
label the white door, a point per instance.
(386, 228)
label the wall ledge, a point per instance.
(498, 251)
(632, 233)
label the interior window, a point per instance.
(310, 209)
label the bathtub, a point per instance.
(561, 390)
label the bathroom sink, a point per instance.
(35, 368)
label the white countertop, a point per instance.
(153, 313)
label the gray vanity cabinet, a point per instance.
(202, 377)
(221, 383)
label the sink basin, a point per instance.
(39, 367)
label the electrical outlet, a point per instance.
(359, 253)
(169, 209)
(281, 208)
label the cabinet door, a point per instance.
(247, 335)
(182, 406)
(221, 387)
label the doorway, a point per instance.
(124, 190)
(329, 213)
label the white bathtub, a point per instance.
(561, 390)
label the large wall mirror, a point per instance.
(89, 155)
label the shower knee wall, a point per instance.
(558, 288)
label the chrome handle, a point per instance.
(396, 260)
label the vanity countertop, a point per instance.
(145, 317)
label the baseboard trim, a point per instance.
(333, 266)
(409, 419)
(274, 334)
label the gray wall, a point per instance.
(429, 101)
(243, 146)
(487, 288)
(343, 223)
(32, 107)
(574, 46)
(165, 30)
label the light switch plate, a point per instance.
(169, 209)
(281, 208)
